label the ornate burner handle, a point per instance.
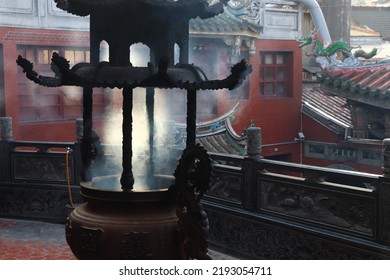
(192, 182)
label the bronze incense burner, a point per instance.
(118, 221)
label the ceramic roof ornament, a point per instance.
(336, 54)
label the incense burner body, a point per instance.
(133, 225)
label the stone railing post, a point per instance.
(384, 196)
(253, 150)
(6, 128)
(6, 138)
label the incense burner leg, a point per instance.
(86, 142)
(191, 117)
(127, 179)
(150, 111)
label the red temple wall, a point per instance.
(11, 38)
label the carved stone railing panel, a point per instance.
(36, 202)
(226, 184)
(227, 179)
(385, 212)
(251, 237)
(42, 162)
(227, 160)
(29, 167)
(341, 209)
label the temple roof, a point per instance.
(216, 135)
(222, 143)
(367, 84)
(194, 7)
(329, 110)
(224, 24)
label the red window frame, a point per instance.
(275, 79)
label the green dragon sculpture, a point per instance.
(335, 47)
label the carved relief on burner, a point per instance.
(136, 246)
(90, 239)
(68, 231)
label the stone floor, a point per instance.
(34, 240)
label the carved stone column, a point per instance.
(6, 128)
(253, 142)
(253, 153)
(6, 137)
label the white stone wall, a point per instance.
(42, 14)
(281, 19)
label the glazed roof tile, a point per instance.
(217, 135)
(371, 81)
(330, 110)
(224, 24)
(220, 143)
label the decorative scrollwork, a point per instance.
(192, 176)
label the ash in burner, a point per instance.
(112, 183)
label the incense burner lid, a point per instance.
(201, 8)
(183, 76)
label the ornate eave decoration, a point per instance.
(246, 10)
(249, 13)
(187, 77)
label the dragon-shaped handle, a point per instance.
(192, 180)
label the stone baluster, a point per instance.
(253, 148)
(6, 128)
(5, 147)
